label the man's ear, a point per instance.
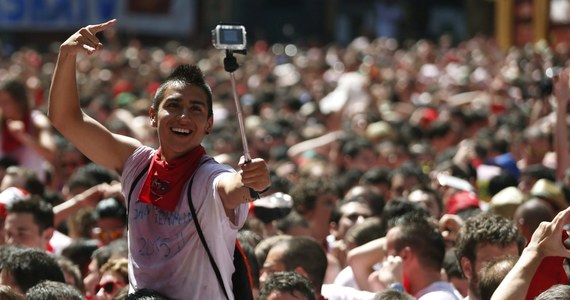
(406, 253)
(466, 267)
(47, 234)
(152, 116)
(209, 125)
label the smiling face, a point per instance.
(182, 119)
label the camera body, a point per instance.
(229, 37)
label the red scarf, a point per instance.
(165, 181)
(10, 142)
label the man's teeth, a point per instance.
(180, 130)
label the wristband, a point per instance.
(397, 287)
(264, 190)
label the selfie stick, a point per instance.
(231, 65)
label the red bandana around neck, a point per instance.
(165, 181)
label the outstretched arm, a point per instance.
(233, 187)
(546, 241)
(88, 135)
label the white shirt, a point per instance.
(440, 290)
(165, 251)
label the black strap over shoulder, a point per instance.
(241, 277)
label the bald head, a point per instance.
(530, 214)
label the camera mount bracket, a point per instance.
(230, 62)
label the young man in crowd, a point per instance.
(165, 253)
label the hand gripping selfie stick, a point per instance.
(231, 37)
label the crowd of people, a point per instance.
(379, 170)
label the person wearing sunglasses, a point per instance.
(114, 278)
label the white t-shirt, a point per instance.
(339, 292)
(439, 290)
(165, 251)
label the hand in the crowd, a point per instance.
(449, 225)
(91, 196)
(547, 239)
(85, 39)
(391, 271)
(255, 174)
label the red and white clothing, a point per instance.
(165, 251)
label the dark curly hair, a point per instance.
(486, 228)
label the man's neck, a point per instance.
(421, 280)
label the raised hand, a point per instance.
(85, 39)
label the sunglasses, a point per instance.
(107, 235)
(109, 287)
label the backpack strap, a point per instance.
(203, 240)
(137, 179)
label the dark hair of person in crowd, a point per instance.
(40, 209)
(501, 181)
(53, 290)
(184, 75)
(559, 291)
(9, 293)
(71, 273)
(399, 208)
(262, 249)
(29, 266)
(146, 294)
(80, 252)
(306, 192)
(392, 295)
(89, 175)
(491, 275)
(421, 235)
(291, 222)
(307, 253)
(290, 282)
(362, 233)
(486, 228)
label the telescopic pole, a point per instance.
(231, 65)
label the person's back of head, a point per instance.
(493, 273)
(29, 266)
(399, 208)
(72, 273)
(530, 214)
(307, 253)
(53, 290)
(500, 182)
(264, 246)
(392, 295)
(290, 282)
(79, 252)
(421, 235)
(362, 233)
